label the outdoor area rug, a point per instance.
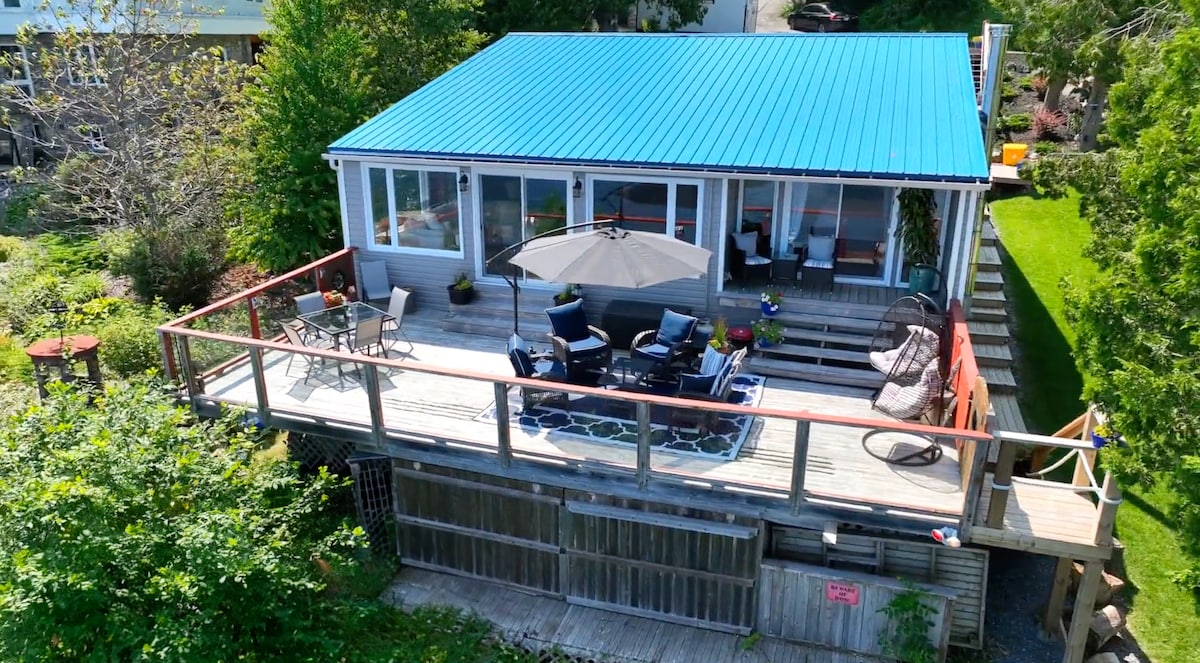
(599, 420)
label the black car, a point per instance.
(822, 17)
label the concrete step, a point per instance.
(990, 354)
(808, 352)
(988, 314)
(983, 333)
(988, 281)
(1000, 380)
(853, 377)
(988, 259)
(988, 299)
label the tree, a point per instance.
(1053, 32)
(1137, 323)
(329, 65)
(134, 115)
(499, 17)
(130, 531)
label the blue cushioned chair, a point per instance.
(539, 366)
(579, 346)
(664, 345)
(715, 386)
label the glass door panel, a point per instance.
(863, 237)
(501, 220)
(633, 205)
(687, 206)
(812, 210)
(945, 205)
(545, 206)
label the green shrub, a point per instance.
(10, 247)
(1014, 123)
(20, 210)
(26, 292)
(178, 262)
(83, 288)
(128, 336)
(71, 255)
(1046, 147)
(15, 365)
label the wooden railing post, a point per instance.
(976, 470)
(1085, 598)
(503, 433)
(374, 403)
(1106, 515)
(799, 466)
(260, 385)
(643, 445)
(189, 375)
(168, 355)
(255, 332)
(1001, 484)
(1085, 457)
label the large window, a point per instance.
(413, 210)
(671, 208)
(16, 68)
(858, 217)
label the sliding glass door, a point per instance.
(513, 208)
(859, 218)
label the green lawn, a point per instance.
(1043, 239)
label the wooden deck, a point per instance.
(1042, 518)
(544, 624)
(430, 406)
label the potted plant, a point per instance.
(462, 290)
(768, 332)
(918, 236)
(1103, 434)
(570, 293)
(770, 303)
(719, 340)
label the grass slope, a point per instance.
(1043, 239)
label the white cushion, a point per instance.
(820, 247)
(883, 361)
(712, 361)
(747, 243)
(818, 264)
(757, 260)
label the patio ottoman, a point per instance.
(623, 319)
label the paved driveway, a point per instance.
(769, 18)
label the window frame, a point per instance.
(393, 230)
(672, 198)
(95, 80)
(26, 82)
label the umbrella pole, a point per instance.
(516, 293)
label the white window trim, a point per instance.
(566, 176)
(26, 82)
(672, 182)
(96, 80)
(369, 224)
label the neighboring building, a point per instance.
(234, 29)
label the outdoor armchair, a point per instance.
(666, 344)
(527, 363)
(817, 261)
(713, 383)
(579, 346)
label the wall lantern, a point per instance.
(463, 181)
(577, 190)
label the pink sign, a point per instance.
(841, 592)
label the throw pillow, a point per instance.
(675, 327)
(747, 243)
(820, 247)
(712, 361)
(696, 384)
(569, 321)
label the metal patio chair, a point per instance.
(367, 334)
(294, 337)
(374, 286)
(395, 323)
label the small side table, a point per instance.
(54, 358)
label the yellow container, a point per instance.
(1013, 153)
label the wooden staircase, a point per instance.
(990, 336)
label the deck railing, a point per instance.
(379, 431)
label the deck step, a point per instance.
(988, 259)
(989, 238)
(985, 314)
(988, 299)
(988, 332)
(999, 379)
(1008, 412)
(799, 305)
(827, 338)
(828, 322)
(793, 350)
(486, 323)
(853, 377)
(989, 281)
(992, 354)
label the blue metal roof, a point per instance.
(895, 106)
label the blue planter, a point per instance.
(1098, 441)
(764, 343)
(769, 310)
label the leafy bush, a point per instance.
(10, 247)
(132, 532)
(1045, 147)
(1047, 123)
(27, 290)
(1014, 123)
(129, 343)
(15, 365)
(177, 262)
(1008, 91)
(20, 209)
(1039, 84)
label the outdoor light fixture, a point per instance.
(463, 181)
(59, 310)
(577, 190)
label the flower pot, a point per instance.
(559, 300)
(1099, 441)
(460, 296)
(769, 309)
(764, 343)
(921, 279)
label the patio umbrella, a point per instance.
(613, 257)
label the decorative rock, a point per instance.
(1104, 657)
(1106, 623)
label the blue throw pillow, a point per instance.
(675, 327)
(569, 321)
(697, 384)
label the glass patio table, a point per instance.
(338, 322)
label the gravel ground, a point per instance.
(1018, 584)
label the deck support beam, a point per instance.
(1052, 618)
(1081, 618)
(643, 445)
(1001, 484)
(260, 386)
(503, 433)
(189, 373)
(799, 466)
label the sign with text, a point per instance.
(841, 592)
